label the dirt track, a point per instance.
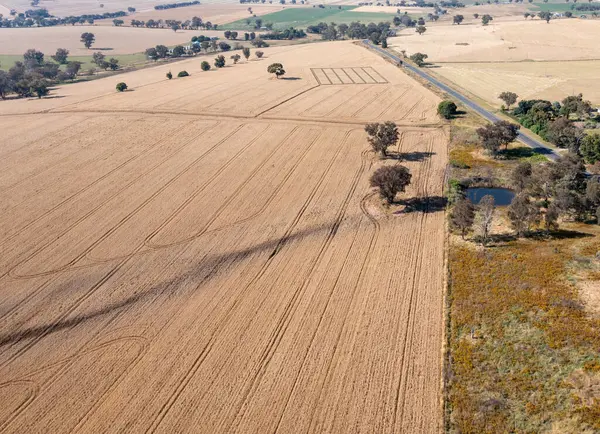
(205, 254)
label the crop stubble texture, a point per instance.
(168, 272)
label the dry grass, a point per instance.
(206, 254)
(519, 331)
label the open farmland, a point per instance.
(110, 40)
(303, 17)
(508, 41)
(552, 81)
(532, 59)
(205, 254)
(215, 13)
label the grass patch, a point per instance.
(7, 60)
(303, 17)
(558, 7)
(518, 333)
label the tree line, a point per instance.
(34, 75)
(555, 122)
(42, 18)
(176, 5)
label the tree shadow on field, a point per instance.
(103, 49)
(183, 284)
(291, 78)
(427, 204)
(416, 156)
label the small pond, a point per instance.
(502, 196)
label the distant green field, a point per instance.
(7, 60)
(558, 7)
(303, 17)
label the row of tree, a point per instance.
(42, 18)
(176, 5)
(194, 24)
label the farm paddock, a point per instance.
(205, 253)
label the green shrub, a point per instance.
(183, 74)
(121, 87)
(205, 66)
(447, 109)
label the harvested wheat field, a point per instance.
(530, 80)
(216, 13)
(205, 254)
(109, 40)
(506, 41)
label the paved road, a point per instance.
(535, 144)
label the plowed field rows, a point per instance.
(175, 261)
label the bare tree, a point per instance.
(485, 217)
(522, 213)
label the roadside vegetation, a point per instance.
(522, 353)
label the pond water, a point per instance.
(502, 196)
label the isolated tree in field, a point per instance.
(421, 29)
(183, 74)
(88, 39)
(259, 54)
(61, 56)
(246, 53)
(475, 16)
(590, 148)
(447, 109)
(462, 216)
(235, 58)
(381, 136)
(121, 87)
(457, 19)
(219, 61)
(493, 136)
(485, 20)
(485, 217)
(509, 98)
(419, 59)
(390, 180)
(169, 75)
(522, 213)
(277, 69)
(520, 176)
(205, 66)
(130, 10)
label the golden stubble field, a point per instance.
(204, 254)
(531, 58)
